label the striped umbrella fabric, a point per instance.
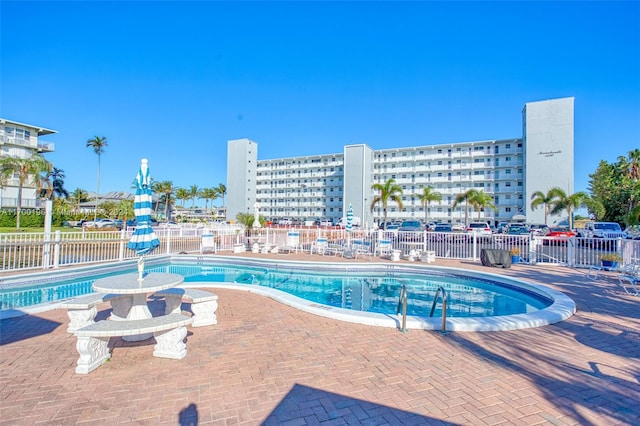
(143, 240)
(349, 225)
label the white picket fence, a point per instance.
(27, 251)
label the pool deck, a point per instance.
(267, 363)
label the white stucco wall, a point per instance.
(242, 160)
(548, 136)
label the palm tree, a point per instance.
(427, 196)
(389, 191)
(182, 194)
(208, 194)
(193, 194)
(98, 143)
(222, 191)
(166, 191)
(26, 168)
(464, 198)
(539, 198)
(481, 200)
(54, 181)
(79, 195)
(563, 202)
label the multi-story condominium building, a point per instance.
(322, 186)
(22, 141)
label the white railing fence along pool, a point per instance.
(24, 251)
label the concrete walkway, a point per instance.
(266, 363)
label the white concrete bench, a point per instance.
(428, 256)
(203, 304)
(93, 340)
(82, 309)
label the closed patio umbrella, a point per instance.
(349, 225)
(143, 240)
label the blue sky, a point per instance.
(174, 81)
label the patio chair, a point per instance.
(629, 284)
(293, 243)
(362, 248)
(384, 248)
(321, 246)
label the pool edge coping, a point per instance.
(562, 307)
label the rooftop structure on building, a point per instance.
(323, 185)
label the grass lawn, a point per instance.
(12, 230)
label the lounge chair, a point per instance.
(384, 248)
(321, 246)
(629, 279)
(293, 243)
(362, 248)
(629, 284)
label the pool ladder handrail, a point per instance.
(442, 291)
(402, 303)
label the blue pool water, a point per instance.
(375, 290)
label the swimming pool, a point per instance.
(365, 293)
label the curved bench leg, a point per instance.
(79, 318)
(173, 304)
(94, 351)
(170, 343)
(120, 308)
(204, 313)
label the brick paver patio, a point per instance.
(267, 363)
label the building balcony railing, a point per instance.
(46, 146)
(12, 203)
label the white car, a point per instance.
(479, 228)
(101, 223)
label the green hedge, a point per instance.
(29, 218)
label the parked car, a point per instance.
(480, 228)
(324, 222)
(517, 229)
(502, 226)
(538, 228)
(170, 224)
(103, 223)
(458, 227)
(601, 230)
(443, 227)
(411, 225)
(632, 232)
(560, 233)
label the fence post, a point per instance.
(56, 250)
(46, 248)
(533, 249)
(168, 234)
(571, 252)
(46, 251)
(122, 239)
(475, 245)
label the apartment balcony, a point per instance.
(12, 203)
(46, 147)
